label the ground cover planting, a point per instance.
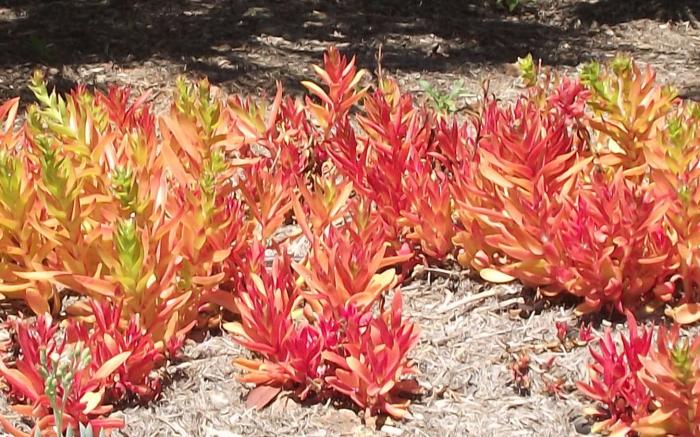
(125, 233)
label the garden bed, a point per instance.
(472, 333)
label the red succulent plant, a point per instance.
(615, 383)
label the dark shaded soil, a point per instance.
(245, 45)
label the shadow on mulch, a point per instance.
(76, 32)
(622, 11)
(692, 94)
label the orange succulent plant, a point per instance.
(370, 361)
(615, 383)
(628, 108)
(671, 372)
(645, 388)
(585, 186)
(610, 248)
(267, 305)
(24, 250)
(341, 78)
(117, 213)
(526, 163)
(673, 157)
(395, 134)
(347, 264)
(429, 216)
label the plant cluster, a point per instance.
(140, 228)
(70, 376)
(646, 387)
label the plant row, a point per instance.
(132, 230)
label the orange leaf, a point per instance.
(397, 412)
(261, 396)
(359, 369)
(96, 285)
(38, 275)
(495, 276)
(223, 299)
(36, 301)
(234, 328)
(685, 314)
(317, 91)
(208, 281)
(111, 365)
(21, 382)
(13, 288)
(275, 109)
(489, 173)
(220, 255)
(172, 162)
(9, 428)
(91, 400)
(9, 110)
(184, 138)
